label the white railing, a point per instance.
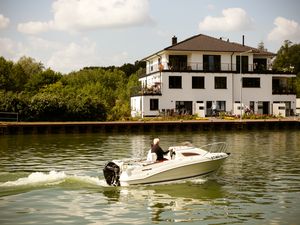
(215, 147)
(197, 66)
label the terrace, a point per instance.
(216, 67)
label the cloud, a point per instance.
(4, 21)
(77, 15)
(7, 47)
(73, 56)
(33, 27)
(61, 56)
(233, 19)
(210, 7)
(285, 30)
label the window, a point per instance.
(178, 62)
(245, 63)
(153, 104)
(253, 82)
(198, 82)
(221, 106)
(184, 107)
(260, 65)
(220, 82)
(151, 65)
(283, 85)
(211, 63)
(175, 82)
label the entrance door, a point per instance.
(264, 108)
(208, 108)
(200, 109)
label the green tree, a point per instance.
(18, 78)
(30, 66)
(5, 74)
(261, 46)
(288, 58)
(41, 79)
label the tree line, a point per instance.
(37, 93)
(91, 94)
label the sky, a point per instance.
(67, 35)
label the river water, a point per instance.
(58, 179)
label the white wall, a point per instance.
(298, 106)
(186, 93)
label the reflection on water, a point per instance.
(56, 179)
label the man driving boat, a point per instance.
(155, 148)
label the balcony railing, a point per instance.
(284, 91)
(150, 90)
(202, 67)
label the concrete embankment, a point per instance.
(146, 126)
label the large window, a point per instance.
(175, 82)
(251, 82)
(184, 107)
(198, 82)
(220, 82)
(153, 104)
(260, 65)
(211, 63)
(283, 85)
(177, 62)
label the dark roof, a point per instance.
(206, 43)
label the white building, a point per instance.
(298, 106)
(203, 72)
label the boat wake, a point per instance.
(39, 179)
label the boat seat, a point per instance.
(151, 157)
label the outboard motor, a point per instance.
(111, 173)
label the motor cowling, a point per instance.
(111, 173)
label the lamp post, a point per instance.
(241, 105)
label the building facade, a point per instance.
(202, 74)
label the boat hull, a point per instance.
(169, 172)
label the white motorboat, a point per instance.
(182, 162)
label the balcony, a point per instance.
(150, 90)
(220, 67)
(283, 91)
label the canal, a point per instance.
(57, 179)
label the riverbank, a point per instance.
(210, 124)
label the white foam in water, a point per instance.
(37, 178)
(90, 180)
(198, 181)
(53, 177)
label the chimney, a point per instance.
(243, 42)
(174, 40)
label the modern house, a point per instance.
(202, 73)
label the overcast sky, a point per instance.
(67, 35)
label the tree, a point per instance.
(39, 80)
(5, 74)
(288, 58)
(30, 66)
(18, 78)
(261, 46)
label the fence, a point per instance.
(9, 116)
